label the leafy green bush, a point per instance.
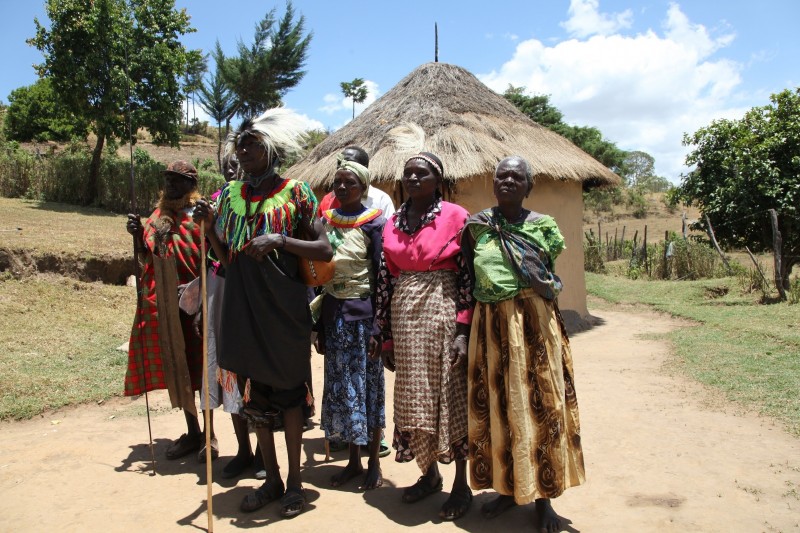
(63, 177)
(593, 255)
(17, 171)
(603, 199)
(636, 201)
(794, 291)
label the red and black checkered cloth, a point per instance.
(145, 368)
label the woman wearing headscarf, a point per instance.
(354, 396)
(524, 431)
(265, 329)
(424, 311)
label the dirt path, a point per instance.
(660, 457)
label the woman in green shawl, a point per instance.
(524, 432)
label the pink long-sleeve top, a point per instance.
(434, 245)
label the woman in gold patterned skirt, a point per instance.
(524, 431)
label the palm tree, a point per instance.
(356, 90)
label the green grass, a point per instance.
(749, 351)
(59, 339)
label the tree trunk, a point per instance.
(777, 250)
(94, 170)
(219, 150)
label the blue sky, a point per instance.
(643, 72)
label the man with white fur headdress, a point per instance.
(266, 322)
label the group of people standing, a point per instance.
(462, 308)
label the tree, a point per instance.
(196, 67)
(35, 113)
(745, 167)
(638, 170)
(216, 99)
(356, 90)
(588, 139)
(536, 107)
(107, 57)
(264, 72)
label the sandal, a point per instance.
(421, 489)
(201, 455)
(384, 450)
(268, 492)
(185, 445)
(293, 502)
(456, 505)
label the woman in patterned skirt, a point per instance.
(424, 311)
(524, 431)
(354, 395)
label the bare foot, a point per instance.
(547, 521)
(497, 506)
(374, 477)
(347, 473)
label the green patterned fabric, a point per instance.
(353, 277)
(495, 279)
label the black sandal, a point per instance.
(293, 502)
(184, 445)
(421, 489)
(456, 505)
(270, 491)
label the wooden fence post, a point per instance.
(777, 245)
(710, 231)
(616, 255)
(644, 250)
(666, 246)
(683, 225)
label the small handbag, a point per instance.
(314, 272)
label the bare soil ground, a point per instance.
(662, 454)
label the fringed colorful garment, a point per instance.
(266, 322)
(145, 368)
(244, 214)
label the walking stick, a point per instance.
(206, 408)
(138, 275)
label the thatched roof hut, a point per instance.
(471, 128)
(466, 124)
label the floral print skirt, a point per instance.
(353, 399)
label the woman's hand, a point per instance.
(388, 359)
(134, 225)
(260, 246)
(204, 211)
(458, 350)
(374, 348)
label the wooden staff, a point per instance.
(206, 408)
(136, 267)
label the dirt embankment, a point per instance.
(112, 269)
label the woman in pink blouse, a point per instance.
(424, 311)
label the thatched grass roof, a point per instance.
(469, 126)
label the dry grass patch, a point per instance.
(49, 227)
(59, 339)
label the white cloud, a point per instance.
(335, 103)
(642, 91)
(586, 19)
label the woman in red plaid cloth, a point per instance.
(160, 356)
